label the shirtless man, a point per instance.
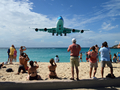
(25, 63)
(32, 71)
(22, 58)
(97, 50)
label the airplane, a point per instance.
(59, 30)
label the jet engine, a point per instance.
(82, 31)
(45, 29)
(36, 29)
(73, 30)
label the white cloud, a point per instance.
(108, 26)
(16, 17)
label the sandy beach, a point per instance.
(63, 71)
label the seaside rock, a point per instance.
(115, 46)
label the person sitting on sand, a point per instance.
(1, 65)
(56, 59)
(21, 49)
(22, 59)
(52, 68)
(32, 71)
(93, 61)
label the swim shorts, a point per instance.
(74, 61)
(95, 65)
(109, 64)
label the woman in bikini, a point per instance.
(32, 71)
(52, 68)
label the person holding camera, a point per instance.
(22, 59)
(26, 60)
(92, 55)
(52, 68)
(22, 48)
(32, 71)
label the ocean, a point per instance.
(45, 54)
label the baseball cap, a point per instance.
(73, 40)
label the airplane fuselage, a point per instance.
(59, 26)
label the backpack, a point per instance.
(109, 76)
(9, 70)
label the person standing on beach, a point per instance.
(74, 59)
(21, 49)
(15, 54)
(8, 54)
(93, 61)
(97, 50)
(105, 58)
(11, 54)
(80, 57)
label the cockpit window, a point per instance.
(60, 18)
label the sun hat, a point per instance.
(73, 40)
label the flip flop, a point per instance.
(71, 78)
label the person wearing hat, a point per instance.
(74, 59)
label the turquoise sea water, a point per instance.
(45, 54)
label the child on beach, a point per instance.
(52, 68)
(93, 61)
(80, 57)
(15, 54)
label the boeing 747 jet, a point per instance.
(59, 29)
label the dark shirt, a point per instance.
(8, 51)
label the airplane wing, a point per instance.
(50, 30)
(69, 30)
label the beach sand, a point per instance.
(63, 71)
(10, 81)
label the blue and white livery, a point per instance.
(59, 29)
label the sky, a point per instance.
(19, 17)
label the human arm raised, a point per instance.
(37, 66)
